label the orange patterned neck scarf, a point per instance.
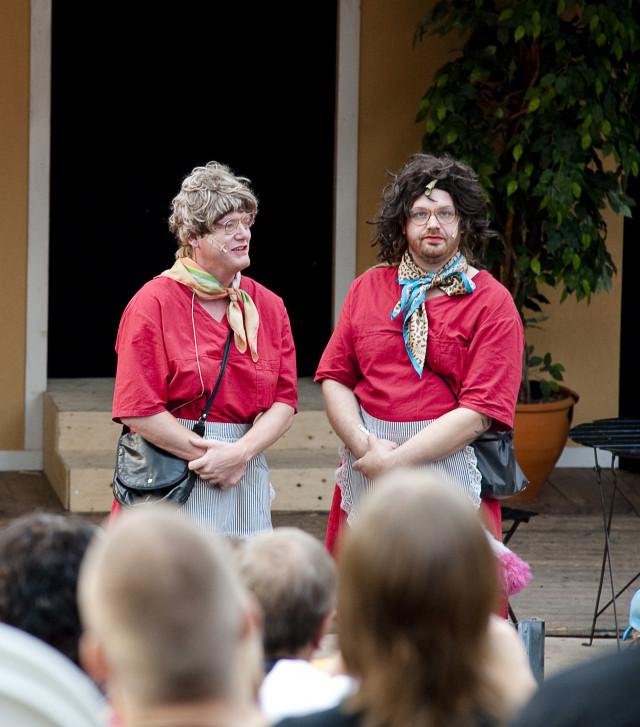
(242, 313)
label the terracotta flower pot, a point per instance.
(540, 434)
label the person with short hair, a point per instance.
(427, 352)
(40, 557)
(170, 347)
(294, 580)
(166, 623)
(417, 586)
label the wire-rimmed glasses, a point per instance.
(421, 216)
(230, 226)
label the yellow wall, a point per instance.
(585, 339)
(393, 78)
(14, 164)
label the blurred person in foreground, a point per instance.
(417, 586)
(602, 691)
(168, 625)
(40, 687)
(293, 579)
(40, 557)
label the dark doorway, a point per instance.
(140, 95)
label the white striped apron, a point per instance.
(461, 467)
(245, 509)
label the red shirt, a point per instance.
(475, 341)
(158, 367)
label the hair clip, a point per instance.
(429, 187)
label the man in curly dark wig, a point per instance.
(456, 179)
(427, 352)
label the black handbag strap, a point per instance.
(198, 427)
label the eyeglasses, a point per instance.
(230, 226)
(421, 216)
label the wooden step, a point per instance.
(303, 479)
(80, 443)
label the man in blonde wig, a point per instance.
(165, 623)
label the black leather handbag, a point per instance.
(501, 474)
(145, 473)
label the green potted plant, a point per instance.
(539, 101)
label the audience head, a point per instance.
(417, 585)
(40, 557)
(163, 610)
(40, 687)
(294, 580)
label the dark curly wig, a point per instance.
(398, 197)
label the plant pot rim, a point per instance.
(568, 399)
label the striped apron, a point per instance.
(245, 509)
(461, 467)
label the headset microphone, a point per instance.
(218, 244)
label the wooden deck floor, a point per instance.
(563, 543)
(564, 546)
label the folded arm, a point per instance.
(443, 437)
(225, 462)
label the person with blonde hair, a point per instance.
(167, 624)
(293, 578)
(170, 350)
(417, 586)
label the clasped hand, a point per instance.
(222, 463)
(378, 458)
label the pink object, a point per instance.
(515, 573)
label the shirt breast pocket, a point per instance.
(447, 358)
(371, 350)
(267, 372)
